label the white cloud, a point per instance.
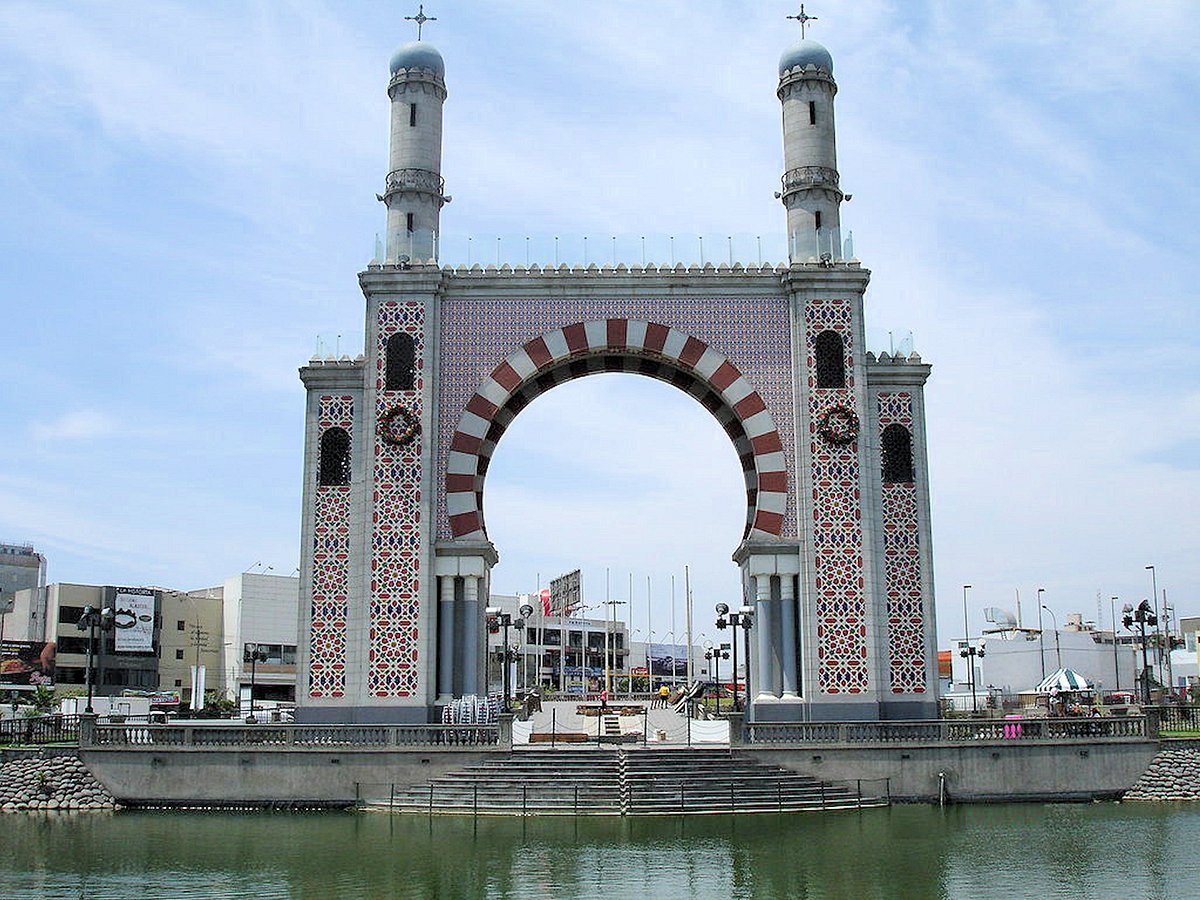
(78, 425)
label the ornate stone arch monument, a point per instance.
(836, 554)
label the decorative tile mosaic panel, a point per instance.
(902, 565)
(476, 336)
(394, 604)
(331, 560)
(837, 536)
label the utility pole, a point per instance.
(1170, 667)
(687, 601)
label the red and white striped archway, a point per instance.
(618, 345)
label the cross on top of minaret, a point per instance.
(420, 18)
(803, 19)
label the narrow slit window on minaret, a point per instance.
(816, 220)
(812, 112)
(412, 115)
(897, 455)
(333, 469)
(408, 219)
(399, 365)
(830, 353)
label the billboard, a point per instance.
(133, 610)
(26, 663)
(667, 659)
(564, 594)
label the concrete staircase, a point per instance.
(634, 782)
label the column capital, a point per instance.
(761, 557)
(464, 557)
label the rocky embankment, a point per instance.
(59, 782)
(1172, 775)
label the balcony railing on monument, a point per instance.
(285, 737)
(951, 731)
(623, 252)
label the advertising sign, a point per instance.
(667, 659)
(133, 611)
(564, 594)
(26, 663)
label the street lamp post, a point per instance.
(497, 621)
(733, 620)
(91, 620)
(1143, 616)
(966, 627)
(1158, 614)
(1041, 642)
(256, 654)
(714, 654)
(969, 652)
(1116, 658)
(1057, 646)
(747, 618)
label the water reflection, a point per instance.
(1014, 851)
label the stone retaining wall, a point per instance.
(51, 783)
(1173, 774)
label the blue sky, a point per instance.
(190, 191)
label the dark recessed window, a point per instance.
(179, 654)
(400, 355)
(831, 360)
(812, 113)
(897, 455)
(412, 115)
(180, 625)
(409, 222)
(70, 615)
(334, 467)
(817, 219)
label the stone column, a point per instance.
(470, 630)
(787, 603)
(765, 627)
(446, 639)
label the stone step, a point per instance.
(625, 782)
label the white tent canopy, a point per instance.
(1063, 680)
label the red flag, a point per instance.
(545, 594)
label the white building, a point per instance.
(262, 610)
(1015, 660)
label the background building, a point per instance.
(566, 653)
(261, 610)
(190, 636)
(1015, 660)
(115, 670)
(21, 568)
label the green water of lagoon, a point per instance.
(1014, 851)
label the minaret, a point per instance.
(810, 180)
(415, 192)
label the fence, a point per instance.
(571, 797)
(299, 736)
(1176, 719)
(40, 730)
(950, 731)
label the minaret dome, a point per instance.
(804, 54)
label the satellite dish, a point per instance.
(1001, 617)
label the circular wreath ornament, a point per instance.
(399, 426)
(838, 425)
